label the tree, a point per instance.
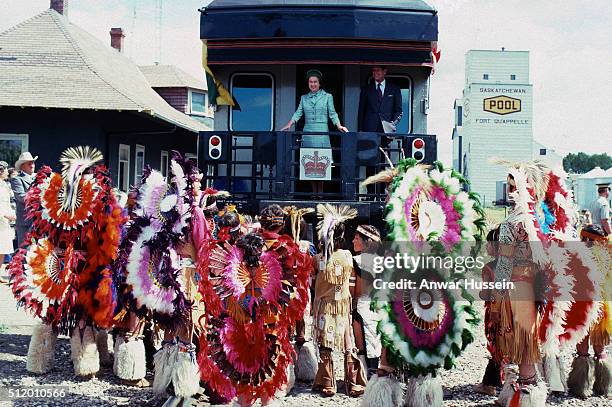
(581, 162)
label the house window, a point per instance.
(459, 116)
(512, 77)
(11, 146)
(199, 102)
(542, 151)
(163, 163)
(139, 162)
(123, 171)
(405, 85)
(255, 94)
(485, 76)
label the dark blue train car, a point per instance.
(262, 50)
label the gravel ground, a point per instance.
(106, 390)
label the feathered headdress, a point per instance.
(530, 182)
(536, 171)
(295, 219)
(330, 217)
(75, 161)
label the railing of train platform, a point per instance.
(265, 165)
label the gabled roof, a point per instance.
(170, 76)
(47, 61)
(597, 173)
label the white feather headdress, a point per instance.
(330, 217)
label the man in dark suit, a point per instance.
(379, 100)
(20, 185)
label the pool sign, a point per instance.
(502, 105)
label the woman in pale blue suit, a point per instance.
(317, 107)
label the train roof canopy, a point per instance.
(394, 4)
(336, 31)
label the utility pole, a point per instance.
(158, 31)
(133, 28)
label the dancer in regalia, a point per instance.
(492, 375)
(332, 304)
(61, 273)
(536, 251)
(306, 363)
(254, 291)
(423, 330)
(594, 375)
(366, 243)
(156, 263)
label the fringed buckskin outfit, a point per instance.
(518, 341)
(332, 303)
(332, 307)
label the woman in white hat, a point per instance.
(7, 214)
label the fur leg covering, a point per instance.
(382, 391)
(130, 361)
(533, 395)
(603, 377)
(84, 350)
(306, 365)
(290, 378)
(105, 347)
(554, 373)
(41, 351)
(424, 391)
(163, 368)
(582, 377)
(507, 391)
(185, 375)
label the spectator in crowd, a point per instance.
(600, 208)
(21, 184)
(366, 243)
(585, 218)
(7, 214)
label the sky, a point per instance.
(568, 40)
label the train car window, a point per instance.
(405, 85)
(254, 92)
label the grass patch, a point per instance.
(495, 215)
(3, 328)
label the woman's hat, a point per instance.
(314, 72)
(24, 158)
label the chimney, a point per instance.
(117, 37)
(61, 6)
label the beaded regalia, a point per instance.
(425, 329)
(60, 274)
(254, 291)
(149, 263)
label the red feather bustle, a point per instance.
(60, 273)
(246, 349)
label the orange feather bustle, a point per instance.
(96, 294)
(81, 213)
